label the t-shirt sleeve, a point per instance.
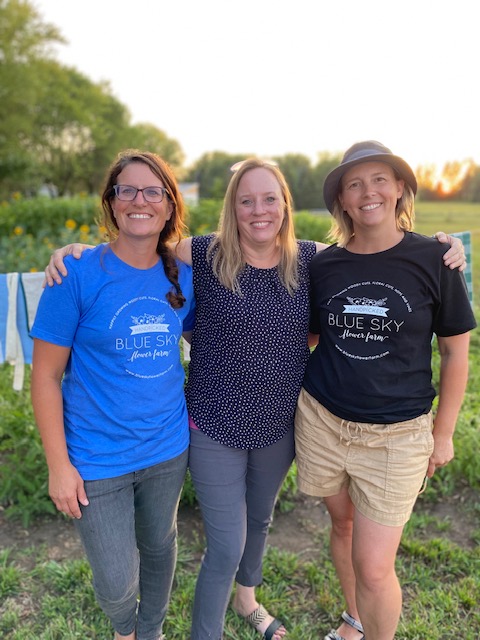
(189, 321)
(58, 312)
(454, 315)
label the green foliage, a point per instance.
(23, 472)
(203, 218)
(212, 172)
(9, 576)
(311, 227)
(46, 216)
(31, 229)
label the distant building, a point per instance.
(190, 192)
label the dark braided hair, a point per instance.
(174, 228)
(176, 297)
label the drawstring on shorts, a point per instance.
(350, 432)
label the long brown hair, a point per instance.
(174, 228)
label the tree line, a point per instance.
(59, 129)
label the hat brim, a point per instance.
(333, 179)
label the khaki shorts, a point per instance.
(383, 465)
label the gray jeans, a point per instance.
(129, 532)
(236, 490)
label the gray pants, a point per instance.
(236, 490)
(129, 532)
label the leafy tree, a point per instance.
(57, 126)
(325, 163)
(306, 181)
(297, 170)
(212, 172)
(471, 186)
(24, 39)
(147, 137)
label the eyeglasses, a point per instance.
(128, 193)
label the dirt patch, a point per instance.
(296, 530)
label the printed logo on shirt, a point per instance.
(367, 322)
(146, 334)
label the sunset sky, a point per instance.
(271, 77)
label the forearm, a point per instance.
(453, 381)
(48, 410)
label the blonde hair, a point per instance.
(342, 226)
(227, 258)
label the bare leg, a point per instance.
(379, 597)
(131, 636)
(244, 603)
(341, 510)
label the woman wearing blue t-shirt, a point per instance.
(106, 349)
(363, 427)
(249, 352)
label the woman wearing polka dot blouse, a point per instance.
(248, 357)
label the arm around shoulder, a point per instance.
(320, 246)
(56, 267)
(183, 250)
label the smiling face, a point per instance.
(140, 218)
(259, 208)
(369, 194)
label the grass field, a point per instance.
(453, 217)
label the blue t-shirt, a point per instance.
(124, 405)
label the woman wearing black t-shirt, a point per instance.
(364, 439)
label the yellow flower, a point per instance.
(84, 228)
(16, 195)
(102, 231)
(33, 270)
(18, 231)
(71, 224)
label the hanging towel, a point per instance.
(3, 316)
(14, 351)
(32, 289)
(23, 325)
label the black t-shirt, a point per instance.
(376, 315)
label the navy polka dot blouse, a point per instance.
(249, 352)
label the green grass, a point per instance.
(441, 586)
